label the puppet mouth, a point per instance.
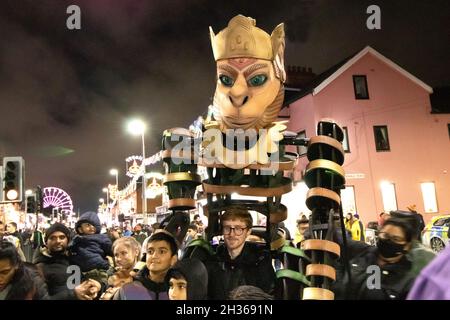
(239, 122)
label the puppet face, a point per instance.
(248, 94)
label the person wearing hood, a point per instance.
(89, 248)
(188, 280)
(380, 272)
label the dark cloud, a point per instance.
(65, 95)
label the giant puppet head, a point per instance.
(250, 75)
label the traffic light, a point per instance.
(31, 203)
(39, 200)
(13, 177)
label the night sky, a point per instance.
(65, 95)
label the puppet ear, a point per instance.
(277, 38)
(213, 46)
(211, 34)
(278, 45)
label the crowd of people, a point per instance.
(149, 263)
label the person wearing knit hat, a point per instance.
(53, 261)
(57, 227)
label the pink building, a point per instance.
(398, 151)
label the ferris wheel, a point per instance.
(57, 198)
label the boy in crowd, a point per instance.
(150, 283)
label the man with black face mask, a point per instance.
(419, 255)
(380, 272)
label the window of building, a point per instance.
(381, 138)
(429, 197)
(345, 143)
(389, 196)
(360, 87)
(301, 150)
(348, 200)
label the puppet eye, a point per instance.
(226, 80)
(257, 80)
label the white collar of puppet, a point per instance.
(267, 143)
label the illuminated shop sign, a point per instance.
(133, 164)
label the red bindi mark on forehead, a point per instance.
(241, 63)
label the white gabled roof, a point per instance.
(378, 55)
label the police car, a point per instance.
(436, 233)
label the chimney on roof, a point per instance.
(298, 76)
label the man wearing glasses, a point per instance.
(238, 262)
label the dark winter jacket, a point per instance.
(142, 288)
(196, 275)
(252, 267)
(54, 269)
(89, 251)
(41, 291)
(389, 282)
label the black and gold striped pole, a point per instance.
(324, 176)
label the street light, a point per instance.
(115, 172)
(101, 206)
(107, 196)
(137, 127)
